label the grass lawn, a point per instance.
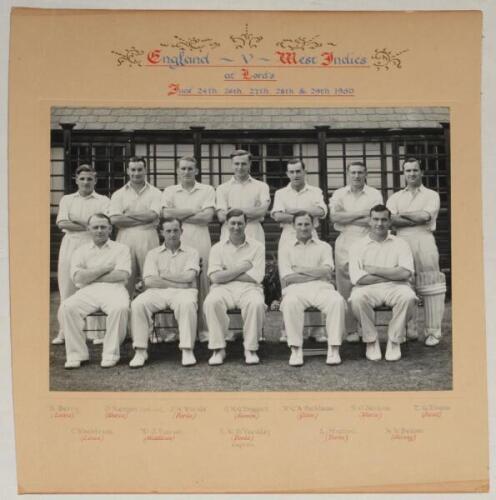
(421, 367)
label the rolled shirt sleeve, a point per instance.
(356, 270)
(157, 205)
(77, 264)
(335, 203)
(215, 260)
(328, 259)
(321, 204)
(284, 262)
(257, 272)
(123, 260)
(393, 205)
(151, 266)
(264, 193)
(63, 213)
(405, 258)
(221, 199)
(209, 201)
(115, 206)
(193, 262)
(278, 204)
(433, 205)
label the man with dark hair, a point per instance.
(305, 268)
(72, 218)
(131, 212)
(236, 270)
(349, 211)
(100, 269)
(193, 203)
(296, 196)
(381, 266)
(415, 209)
(245, 193)
(169, 275)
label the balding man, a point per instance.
(100, 270)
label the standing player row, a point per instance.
(135, 210)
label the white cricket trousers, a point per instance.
(70, 243)
(246, 296)
(399, 296)
(113, 300)
(183, 302)
(320, 294)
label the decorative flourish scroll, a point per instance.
(246, 40)
(128, 55)
(386, 59)
(302, 43)
(192, 43)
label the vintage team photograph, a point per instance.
(250, 249)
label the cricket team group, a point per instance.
(201, 283)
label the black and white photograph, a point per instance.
(250, 249)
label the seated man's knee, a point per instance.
(139, 302)
(118, 308)
(291, 302)
(359, 296)
(211, 300)
(69, 305)
(407, 296)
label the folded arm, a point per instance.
(184, 277)
(87, 276)
(115, 276)
(132, 219)
(258, 211)
(71, 225)
(371, 279)
(232, 274)
(316, 273)
(360, 218)
(293, 278)
(396, 273)
(158, 282)
(417, 217)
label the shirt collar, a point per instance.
(146, 186)
(227, 241)
(234, 181)
(303, 189)
(195, 187)
(107, 244)
(420, 189)
(163, 248)
(91, 195)
(311, 240)
(362, 191)
(389, 237)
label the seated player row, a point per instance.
(381, 266)
(134, 210)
